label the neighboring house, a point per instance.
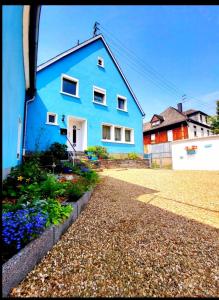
(174, 124)
(19, 47)
(83, 96)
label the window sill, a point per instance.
(74, 96)
(54, 124)
(99, 103)
(100, 66)
(118, 142)
(122, 109)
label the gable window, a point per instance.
(51, 118)
(106, 132)
(127, 135)
(118, 134)
(100, 62)
(155, 123)
(69, 86)
(122, 103)
(99, 95)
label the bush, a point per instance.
(59, 151)
(133, 155)
(99, 151)
(90, 176)
(75, 190)
(21, 176)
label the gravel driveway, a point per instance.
(120, 246)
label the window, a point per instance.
(118, 135)
(206, 119)
(106, 132)
(69, 86)
(201, 118)
(208, 133)
(99, 95)
(155, 123)
(170, 135)
(127, 135)
(153, 137)
(100, 62)
(51, 118)
(195, 132)
(122, 103)
(202, 131)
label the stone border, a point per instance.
(17, 267)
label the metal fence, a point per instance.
(159, 155)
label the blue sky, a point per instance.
(164, 51)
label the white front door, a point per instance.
(76, 134)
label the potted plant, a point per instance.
(67, 167)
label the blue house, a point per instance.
(19, 47)
(83, 98)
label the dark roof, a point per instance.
(170, 116)
(190, 111)
(85, 43)
(193, 112)
(173, 116)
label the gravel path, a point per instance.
(123, 247)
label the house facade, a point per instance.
(84, 99)
(19, 47)
(175, 124)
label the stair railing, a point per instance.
(72, 154)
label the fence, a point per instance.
(159, 155)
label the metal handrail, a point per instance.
(74, 151)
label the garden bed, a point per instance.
(18, 266)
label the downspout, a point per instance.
(25, 124)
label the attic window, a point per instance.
(155, 123)
(100, 62)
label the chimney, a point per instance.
(179, 107)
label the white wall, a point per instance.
(205, 158)
(198, 130)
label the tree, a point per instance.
(214, 120)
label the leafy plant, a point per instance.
(133, 155)
(99, 151)
(90, 176)
(56, 212)
(75, 190)
(59, 151)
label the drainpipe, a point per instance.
(25, 125)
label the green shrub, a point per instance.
(91, 177)
(133, 155)
(75, 190)
(99, 151)
(59, 151)
(21, 176)
(56, 212)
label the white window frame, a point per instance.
(123, 98)
(131, 135)
(100, 58)
(99, 90)
(64, 76)
(53, 114)
(112, 134)
(153, 139)
(170, 135)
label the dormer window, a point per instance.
(155, 123)
(100, 62)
